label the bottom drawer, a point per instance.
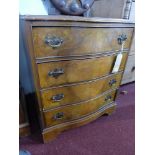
(75, 111)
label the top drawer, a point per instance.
(72, 41)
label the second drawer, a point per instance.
(70, 94)
(75, 111)
(66, 72)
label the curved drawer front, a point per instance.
(65, 72)
(71, 112)
(60, 41)
(78, 92)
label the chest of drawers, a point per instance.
(72, 59)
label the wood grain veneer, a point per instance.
(52, 132)
(78, 41)
(75, 111)
(74, 93)
(88, 69)
(86, 57)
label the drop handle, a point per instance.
(56, 72)
(54, 41)
(112, 82)
(57, 98)
(58, 116)
(121, 39)
(108, 98)
(133, 69)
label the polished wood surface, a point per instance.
(71, 19)
(79, 41)
(52, 132)
(77, 70)
(129, 73)
(79, 92)
(75, 111)
(132, 47)
(24, 131)
(80, 62)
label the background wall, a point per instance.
(24, 71)
(31, 7)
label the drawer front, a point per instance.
(78, 92)
(132, 48)
(129, 73)
(60, 41)
(65, 72)
(76, 111)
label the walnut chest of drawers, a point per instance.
(72, 59)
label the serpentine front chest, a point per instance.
(77, 65)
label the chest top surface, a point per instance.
(73, 18)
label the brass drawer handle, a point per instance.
(108, 98)
(133, 69)
(58, 115)
(53, 41)
(56, 72)
(112, 82)
(58, 97)
(121, 38)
